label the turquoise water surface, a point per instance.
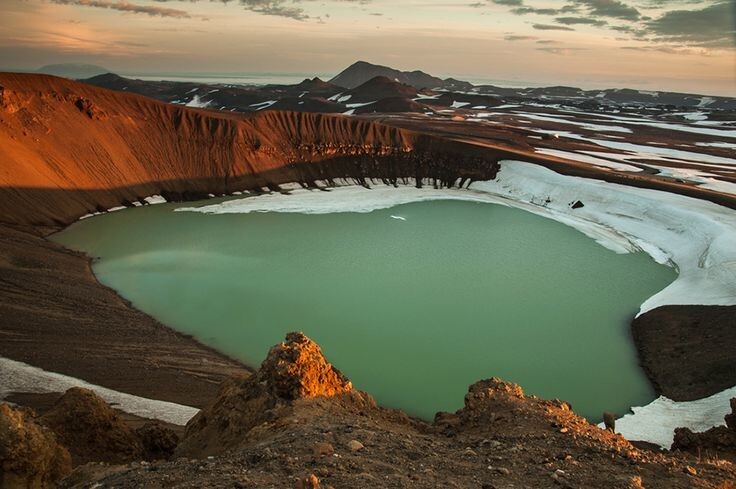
(412, 311)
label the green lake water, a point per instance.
(411, 311)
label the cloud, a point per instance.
(549, 27)
(580, 20)
(282, 8)
(514, 37)
(521, 9)
(560, 51)
(712, 26)
(279, 8)
(275, 8)
(124, 6)
(610, 8)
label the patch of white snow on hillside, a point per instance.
(717, 145)
(340, 98)
(701, 178)
(197, 102)
(693, 116)
(154, 199)
(584, 125)
(427, 97)
(263, 105)
(355, 106)
(21, 377)
(656, 422)
(642, 151)
(458, 105)
(583, 158)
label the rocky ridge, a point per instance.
(298, 422)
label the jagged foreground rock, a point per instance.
(90, 429)
(30, 456)
(298, 422)
(39, 451)
(94, 432)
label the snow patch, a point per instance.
(355, 106)
(197, 102)
(656, 422)
(584, 158)
(263, 105)
(154, 199)
(21, 377)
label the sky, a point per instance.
(680, 45)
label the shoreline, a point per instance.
(605, 235)
(57, 317)
(611, 215)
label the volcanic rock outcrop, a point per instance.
(30, 456)
(293, 370)
(299, 421)
(91, 429)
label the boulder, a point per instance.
(90, 429)
(157, 441)
(30, 455)
(293, 371)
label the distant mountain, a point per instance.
(74, 71)
(378, 88)
(362, 71)
(313, 87)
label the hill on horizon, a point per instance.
(74, 71)
(361, 71)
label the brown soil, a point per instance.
(687, 351)
(56, 316)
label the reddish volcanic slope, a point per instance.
(68, 149)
